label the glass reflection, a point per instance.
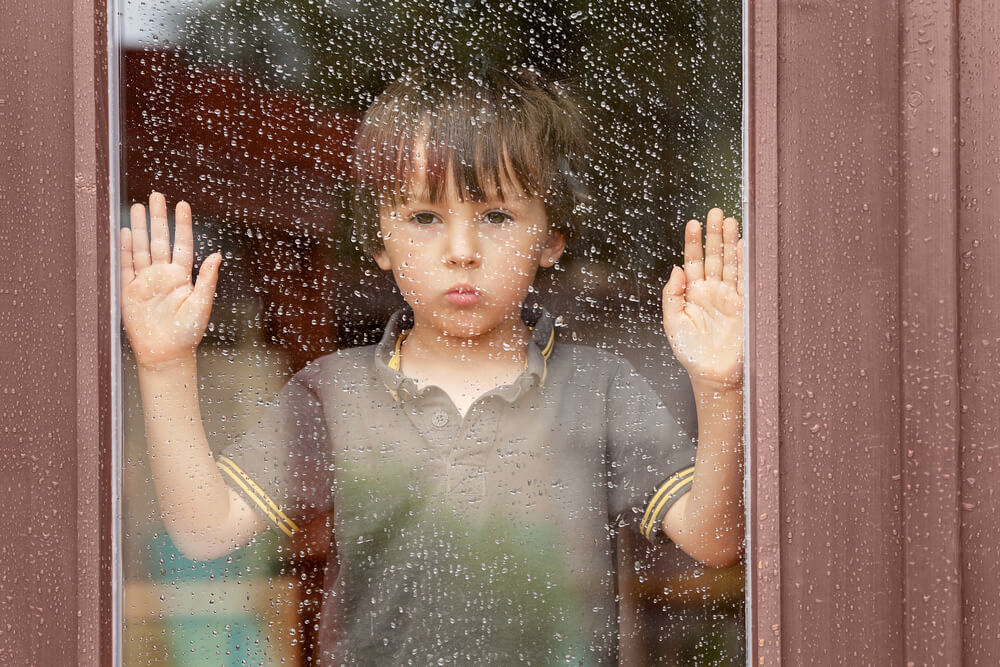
(249, 111)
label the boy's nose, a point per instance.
(463, 246)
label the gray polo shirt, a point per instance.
(483, 539)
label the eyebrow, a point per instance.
(412, 202)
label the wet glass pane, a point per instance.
(432, 416)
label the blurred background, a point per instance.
(247, 109)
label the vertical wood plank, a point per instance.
(53, 287)
(38, 450)
(92, 282)
(978, 257)
(929, 313)
(838, 332)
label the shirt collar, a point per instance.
(540, 348)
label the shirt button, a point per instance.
(439, 418)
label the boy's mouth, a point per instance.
(463, 295)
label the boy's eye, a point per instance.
(424, 218)
(497, 217)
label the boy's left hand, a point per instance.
(703, 304)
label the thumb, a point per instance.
(208, 278)
(673, 293)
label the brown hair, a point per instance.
(486, 130)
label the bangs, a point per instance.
(465, 141)
(425, 167)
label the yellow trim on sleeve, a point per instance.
(263, 501)
(666, 490)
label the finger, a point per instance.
(183, 237)
(693, 258)
(208, 278)
(730, 260)
(125, 247)
(673, 293)
(159, 231)
(739, 270)
(140, 241)
(713, 245)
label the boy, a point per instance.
(476, 467)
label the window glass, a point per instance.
(389, 507)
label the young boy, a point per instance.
(477, 468)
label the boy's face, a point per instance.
(465, 267)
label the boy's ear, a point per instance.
(381, 258)
(553, 249)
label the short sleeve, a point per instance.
(283, 466)
(651, 457)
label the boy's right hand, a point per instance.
(165, 315)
